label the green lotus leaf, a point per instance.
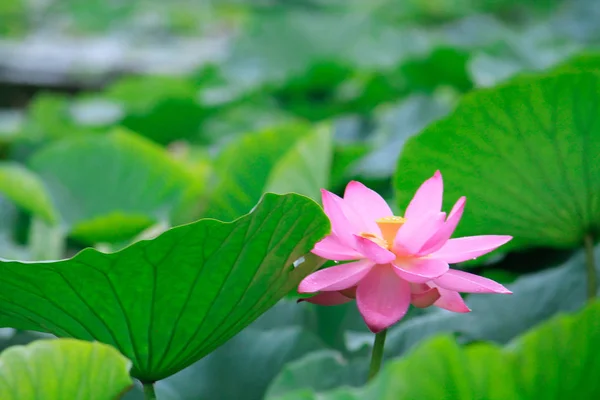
(526, 156)
(59, 369)
(166, 303)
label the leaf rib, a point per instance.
(113, 290)
(217, 328)
(90, 308)
(45, 298)
(187, 301)
(586, 144)
(244, 316)
(144, 252)
(507, 161)
(493, 178)
(499, 211)
(210, 306)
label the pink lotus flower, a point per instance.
(398, 261)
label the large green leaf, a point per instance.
(290, 157)
(554, 361)
(526, 155)
(26, 190)
(166, 303)
(109, 188)
(559, 359)
(59, 369)
(581, 62)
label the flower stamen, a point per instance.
(389, 227)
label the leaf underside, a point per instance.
(166, 303)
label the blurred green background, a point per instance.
(209, 104)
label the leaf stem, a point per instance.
(590, 263)
(149, 392)
(377, 354)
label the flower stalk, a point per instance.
(377, 354)
(149, 392)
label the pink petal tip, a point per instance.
(335, 278)
(428, 197)
(461, 281)
(382, 298)
(469, 248)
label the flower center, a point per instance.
(389, 227)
